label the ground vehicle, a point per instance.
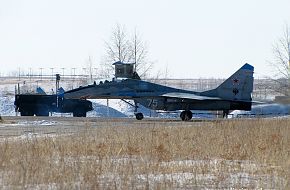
(42, 104)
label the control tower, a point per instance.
(125, 70)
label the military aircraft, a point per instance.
(233, 94)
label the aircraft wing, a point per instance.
(188, 96)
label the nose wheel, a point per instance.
(186, 115)
(139, 116)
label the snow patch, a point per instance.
(265, 110)
(35, 123)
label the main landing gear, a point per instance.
(225, 113)
(186, 115)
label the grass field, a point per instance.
(237, 154)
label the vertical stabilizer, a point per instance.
(237, 87)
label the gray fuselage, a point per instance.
(150, 95)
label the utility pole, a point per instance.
(19, 73)
(30, 73)
(74, 73)
(57, 77)
(84, 71)
(41, 73)
(96, 72)
(52, 73)
(63, 72)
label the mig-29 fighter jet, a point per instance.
(233, 94)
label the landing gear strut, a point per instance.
(138, 115)
(225, 113)
(186, 115)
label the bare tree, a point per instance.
(117, 49)
(124, 48)
(281, 63)
(139, 51)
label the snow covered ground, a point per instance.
(264, 110)
(7, 105)
(204, 174)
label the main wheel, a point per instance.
(139, 116)
(186, 115)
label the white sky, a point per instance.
(192, 38)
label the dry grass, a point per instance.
(226, 153)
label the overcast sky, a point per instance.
(192, 38)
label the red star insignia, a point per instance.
(236, 80)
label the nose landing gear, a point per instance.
(138, 115)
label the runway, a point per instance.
(13, 126)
